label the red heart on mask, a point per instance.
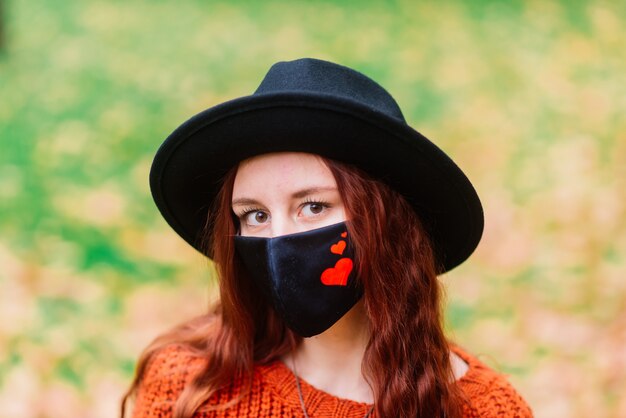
(344, 234)
(338, 275)
(338, 248)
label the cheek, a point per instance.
(339, 214)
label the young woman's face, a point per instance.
(284, 193)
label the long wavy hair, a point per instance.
(407, 358)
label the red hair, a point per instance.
(407, 359)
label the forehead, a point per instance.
(284, 170)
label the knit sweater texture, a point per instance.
(274, 393)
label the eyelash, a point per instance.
(248, 210)
(318, 201)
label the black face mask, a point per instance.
(308, 276)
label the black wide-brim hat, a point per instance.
(317, 107)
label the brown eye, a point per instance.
(313, 208)
(256, 217)
(260, 217)
(316, 208)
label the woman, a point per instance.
(328, 218)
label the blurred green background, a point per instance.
(528, 97)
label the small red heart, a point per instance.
(338, 275)
(344, 234)
(338, 248)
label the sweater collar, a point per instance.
(280, 379)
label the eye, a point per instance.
(313, 208)
(255, 217)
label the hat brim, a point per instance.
(188, 168)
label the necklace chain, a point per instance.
(306, 415)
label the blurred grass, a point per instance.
(528, 97)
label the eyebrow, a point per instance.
(296, 195)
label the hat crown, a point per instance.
(323, 77)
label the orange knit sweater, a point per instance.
(274, 392)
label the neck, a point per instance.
(331, 361)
